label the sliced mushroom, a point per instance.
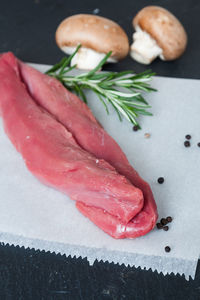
(97, 35)
(158, 33)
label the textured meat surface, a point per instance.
(73, 113)
(53, 155)
(78, 119)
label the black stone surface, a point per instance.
(27, 28)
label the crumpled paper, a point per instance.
(34, 215)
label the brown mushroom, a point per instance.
(158, 33)
(96, 34)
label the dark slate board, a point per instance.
(27, 28)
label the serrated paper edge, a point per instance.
(134, 259)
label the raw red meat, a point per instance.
(52, 154)
(79, 120)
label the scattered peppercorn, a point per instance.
(159, 225)
(198, 144)
(161, 180)
(167, 249)
(163, 221)
(165, 228)
(135, 128)
(169, 219)
(188, 136)
(187, 144)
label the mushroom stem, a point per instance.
(85, 58)
(144, 48)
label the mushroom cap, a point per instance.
(94, 32)
(165, 28)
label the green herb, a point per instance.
(128, 102)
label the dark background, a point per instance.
(27, 28)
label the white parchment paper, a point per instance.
(33, 215)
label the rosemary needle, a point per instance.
(127, 102)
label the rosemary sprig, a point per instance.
(127, 102)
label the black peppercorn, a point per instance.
(159, 225)
(167, 249)
(161, 180)
(188, 136)
(165, 228)
(169, 219)
(135, 128)
(187, 144)
(198, 144)
(163, 221)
